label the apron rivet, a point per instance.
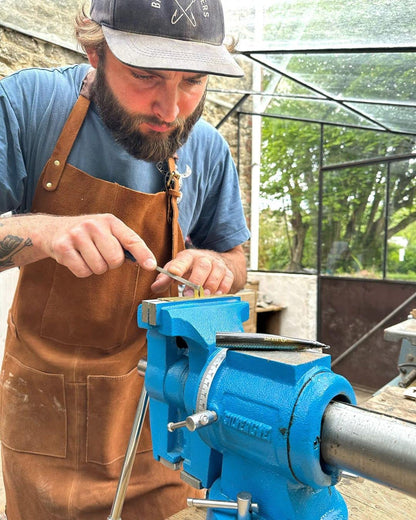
(57, 163)
(49, 185)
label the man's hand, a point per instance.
(87, 244)
(217, 273)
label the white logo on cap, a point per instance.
(183, 11)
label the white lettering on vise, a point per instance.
(156, 5)
(248, 426)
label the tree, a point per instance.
(353, 199)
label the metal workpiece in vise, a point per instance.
(261, 422)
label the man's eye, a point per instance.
(142, 77)
(196, 81)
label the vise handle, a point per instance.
(244, 505)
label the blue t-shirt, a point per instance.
(34, 105)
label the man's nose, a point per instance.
(166, 104)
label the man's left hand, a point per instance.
(217, 273)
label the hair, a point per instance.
(89, 33)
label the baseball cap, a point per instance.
(183, 35)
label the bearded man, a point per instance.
(95, 161)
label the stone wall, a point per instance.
(19, 51)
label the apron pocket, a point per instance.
(33, 418)
(112, 404)
(92, 311)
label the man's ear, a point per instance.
(93, 57)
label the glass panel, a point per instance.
(395, 118)
(307, 110)
(342, 145)
(401, 248)
(289, 196)
(383, 77)
(320, 23)
(353, 218)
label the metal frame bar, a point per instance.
(366, 162)
(386, 220)
(390, 103)
(326, 95)
(373, 49)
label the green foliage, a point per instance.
(354, 209)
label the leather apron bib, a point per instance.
(69, 381)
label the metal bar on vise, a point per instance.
(370, 444)
(258, 340)
(130, 456)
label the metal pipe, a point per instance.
(370, 444)
(130, 455)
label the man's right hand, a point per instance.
(86, 244)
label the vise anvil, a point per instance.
(239, 420)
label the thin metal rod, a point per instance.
(130, 456)
(379, 324)
(328, 123)
(231, 111)
(367, 162)
(373, 445)
(221, 504)
(386, 221)
(369, 49)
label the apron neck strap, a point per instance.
(59, 157)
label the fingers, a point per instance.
(201, 267)
(135, 245)
(93, 244)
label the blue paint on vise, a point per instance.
(270, 404)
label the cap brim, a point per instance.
(156, 52)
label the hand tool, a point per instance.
(198, 289)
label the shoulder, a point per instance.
(205, 132)
(69, 76)
(35, 89)
(206, 144)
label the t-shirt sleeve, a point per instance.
(12, 164)
(221, 224)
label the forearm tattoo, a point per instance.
(10, 246)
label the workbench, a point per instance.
(366, 500)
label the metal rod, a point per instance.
(258, 340)
(130, 456)
(198, 289)
(373, 445)
(243, 502)
(373, 49)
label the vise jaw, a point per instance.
(239, 421)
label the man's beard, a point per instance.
(152, 146)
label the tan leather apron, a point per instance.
(69, 379)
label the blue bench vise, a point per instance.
(259, 421)
(240, 420)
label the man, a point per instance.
(96, 163)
